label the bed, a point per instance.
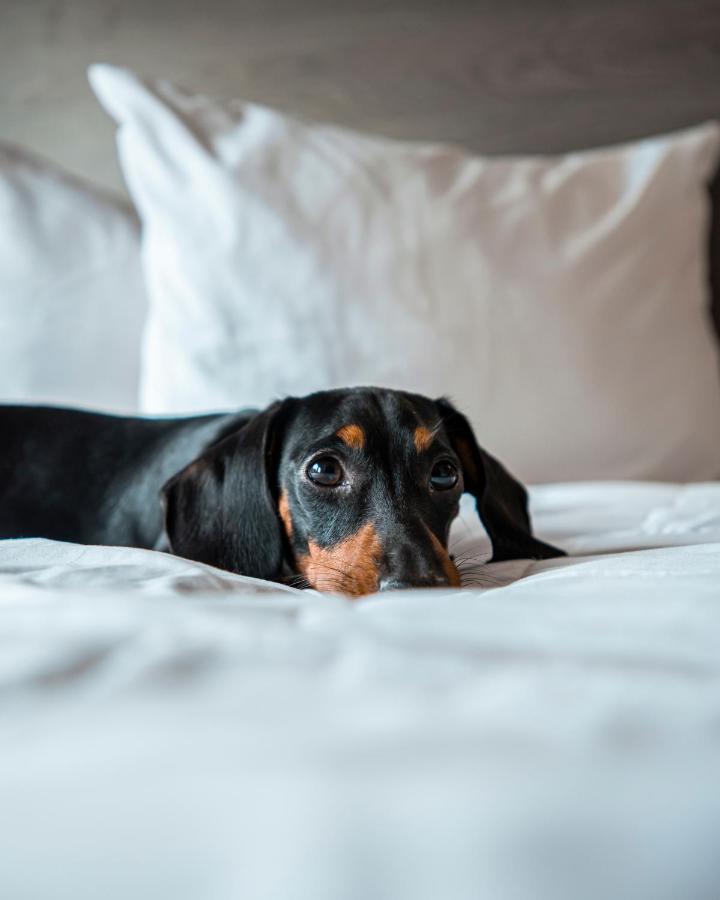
(549, 730)
(170, 730)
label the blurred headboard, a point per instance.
(495, 75)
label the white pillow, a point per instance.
(72, 302)
(561, 302)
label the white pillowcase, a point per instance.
(561, 302)
(72, 302)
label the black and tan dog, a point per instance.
(349, 490)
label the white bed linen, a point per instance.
(171, 731)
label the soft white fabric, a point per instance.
(561, 302)
(72, 302)
(172, 732)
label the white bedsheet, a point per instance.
(169, 731)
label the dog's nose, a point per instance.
(398, 584)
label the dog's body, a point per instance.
(351, 490)
(91, 478)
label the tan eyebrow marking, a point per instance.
(352, 435)
(423, 437)
(284, 512)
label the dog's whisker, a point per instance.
(480, 579)
(470, 561)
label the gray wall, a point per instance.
(499, 75)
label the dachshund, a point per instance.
(350, 491)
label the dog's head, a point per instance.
(351, 491)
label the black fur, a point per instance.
(91, 478)
(500, 499)
(222, 508)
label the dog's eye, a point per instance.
(444, 475)
(325, 471)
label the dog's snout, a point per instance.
(415, 558)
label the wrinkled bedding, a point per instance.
(550, 730)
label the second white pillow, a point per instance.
(72, 303)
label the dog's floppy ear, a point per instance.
(221, 510)
(501, 499)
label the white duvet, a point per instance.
(169, 731)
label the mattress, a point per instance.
(550, 730)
